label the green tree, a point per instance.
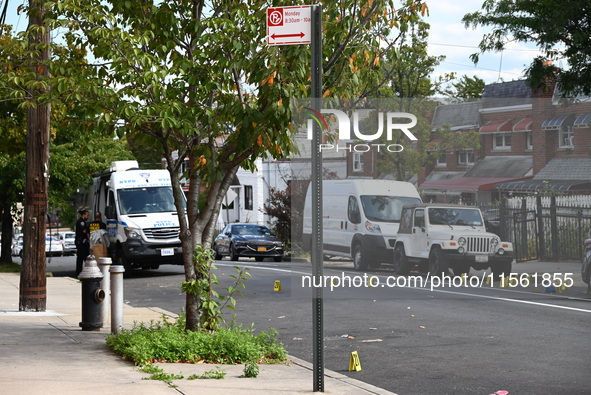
(12, 160)
(409, 88)
(465, 89)
(79, 148)
(561, 29)
(195, 80)
(408, 67)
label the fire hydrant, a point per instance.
(92, 295)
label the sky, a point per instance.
(448, 37)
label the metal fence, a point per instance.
(545, 228)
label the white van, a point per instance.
(140, 214)
(361, 218)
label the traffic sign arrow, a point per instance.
(276, 36)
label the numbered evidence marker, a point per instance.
(354, 363)
(277, 286)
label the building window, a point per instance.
(565, 137)
(248, 200)
(466, 157)
(442, 160)
(528, 141)
(502, 141)
(357, 161)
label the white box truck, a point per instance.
(360, 218)
(138, 208)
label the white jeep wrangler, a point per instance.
(439, 237)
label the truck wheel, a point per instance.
(502, 269)
(359, 262)
(438, 264)
(401, 265)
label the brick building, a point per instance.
(528, 142)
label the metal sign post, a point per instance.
(303, 25)
(317, 257)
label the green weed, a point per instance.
(210, 374)
(166, 341)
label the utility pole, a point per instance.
(33, 281)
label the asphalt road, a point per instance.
(410, 340)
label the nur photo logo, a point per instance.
(349, 130)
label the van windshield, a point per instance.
(385, 208)
(146, 200)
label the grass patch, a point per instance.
(160, 374)
(216, 374)
(10, 267)
(166, 341)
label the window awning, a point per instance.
(502, 125)
(465, 184)
(536, 185)
(556, 122)
(583, 121)
(523, 125)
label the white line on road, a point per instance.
(438, 290)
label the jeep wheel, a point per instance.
(438, 264)
(359, 262)
(401, 265)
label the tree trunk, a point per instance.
(33, 282)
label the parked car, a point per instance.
(68, 238)
(586, 268)
(53, 246)
(247, 240)
(17, 248)
(439, 237)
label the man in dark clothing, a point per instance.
(82, 240)
(97, 223)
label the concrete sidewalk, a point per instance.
(48, 353)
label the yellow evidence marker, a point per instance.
(277, 286)
(354, 363)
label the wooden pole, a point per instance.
(33, 295)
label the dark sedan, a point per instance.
(248, 240)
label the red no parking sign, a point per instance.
(289, 25)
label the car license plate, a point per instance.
(262, 249)
(167, 252)
(481, 258)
